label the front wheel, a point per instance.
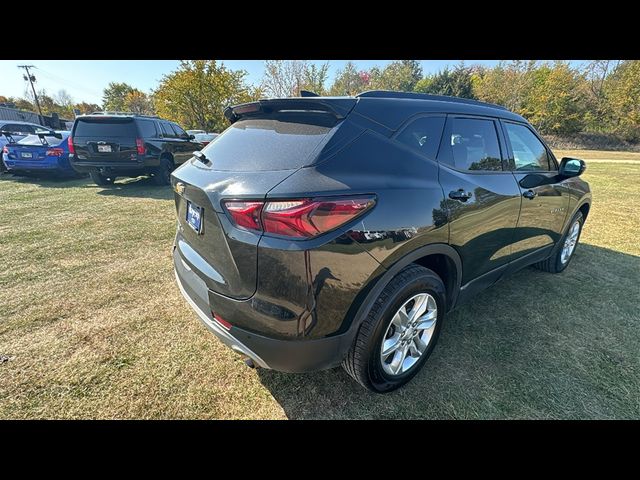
(102, 180)
(400, 332)
(557, 262)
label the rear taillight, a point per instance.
(55, 152)
(140, 146)
(71, 147)
(298, 218)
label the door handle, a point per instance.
(460, 194)
(530, 194)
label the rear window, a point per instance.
(268, 144)
(105, 127)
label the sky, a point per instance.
(84, 80)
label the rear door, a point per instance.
(482, 199)
(545, 199)
(105, 139)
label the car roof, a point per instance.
(18, 122)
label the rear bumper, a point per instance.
(91, 164)
(282, 355)
(31, 166)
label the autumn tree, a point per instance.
(622, 93)
(115, 95)
(285, 78)
(401, 76)
(457, 82)
(556, 101)
(350, 81)
(138, 102)
(196, 94)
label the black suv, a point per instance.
(107, 146)
(319, 231)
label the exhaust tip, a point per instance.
(249, 362)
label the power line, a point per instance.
(69, 83)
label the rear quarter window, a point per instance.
(423, 135)
(105, 127)
(268, 144)
(147, 128)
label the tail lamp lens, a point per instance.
(55, 152)
(71, 147)
(140, 146)
(298, 218)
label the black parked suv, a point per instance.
(319, 231)
(110, 145)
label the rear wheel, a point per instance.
(557, 262)
(162, 174)
(400, 332)
(101, 179)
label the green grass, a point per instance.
(94, 326)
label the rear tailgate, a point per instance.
(255, 154)
(105, 139)
(223, 256)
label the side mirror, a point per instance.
(192, 137)
(572, 167)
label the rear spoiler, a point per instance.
(338, 107)
(50, 133)
(7, 134)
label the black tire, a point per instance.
(102, 180)
(554, 264)
(162, 174)
(363, 361)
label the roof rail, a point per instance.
(425, 96)
(131, 114)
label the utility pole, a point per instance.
(32, 79)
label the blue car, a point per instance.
(42, 152)
(16, 131)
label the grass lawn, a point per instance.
(92, 324)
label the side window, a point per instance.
(167, 130)
(473, 145)
(179, 131)
(423, 135)
(147, 128)
(529, 154)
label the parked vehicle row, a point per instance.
(103, 145)
(321, 231)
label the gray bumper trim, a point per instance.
(224, 336)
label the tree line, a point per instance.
(601, 96)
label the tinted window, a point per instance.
(423, 135)
(266, 144)
(167, 131)
(18, 128)
(528, 152)
(147, 128)
(105, 127)
(39, 128)
(179, 131)
(474, 145)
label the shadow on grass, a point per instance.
(46, 180)
(535, 345)
(141, 187)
